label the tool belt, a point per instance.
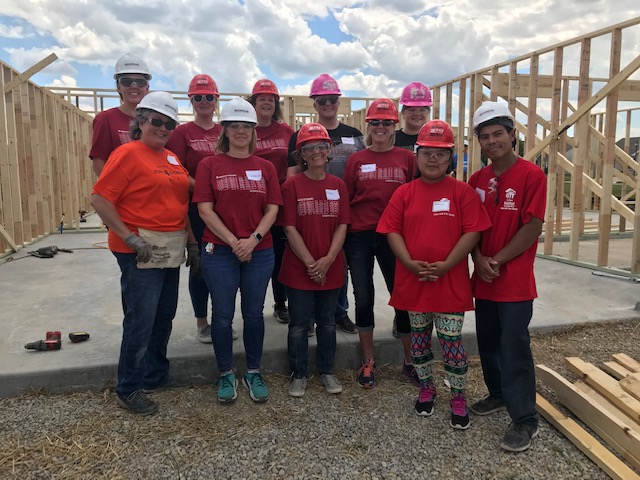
(167, 247)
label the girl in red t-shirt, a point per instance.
(315, 217)
(432, 225)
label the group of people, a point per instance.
(251, 201)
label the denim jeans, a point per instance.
(151, 297)
(304, 305)
(279, 241)
(224, 275)
(361, 248)
(342, 304)
(505, 353)
(197, 286)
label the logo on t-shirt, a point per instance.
(322, 208)
(510, 200)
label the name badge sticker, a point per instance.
(442, 205)
(332, 194)
(255, 175)
(481, 193)
(348, 140)
(368, 168)
(173, 160)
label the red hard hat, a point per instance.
(203, 84)
(312, 131)
(382, 109)
(435, 133)
(267, 87)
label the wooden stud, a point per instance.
(631, 385)
(605, 404)
(616, 370)
(627, 362)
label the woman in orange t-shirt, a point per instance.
(142, 195)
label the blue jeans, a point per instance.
(197, 286)
(505, 353)
(319, 305)
(361, 248)
(279, 241)
(342, 304)
(151, 297)
(222, 270)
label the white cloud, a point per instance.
(11, 32)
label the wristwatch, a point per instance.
(257, 236)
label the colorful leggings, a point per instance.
(449, 331)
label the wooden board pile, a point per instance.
(608, 402)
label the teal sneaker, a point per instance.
(227, 388)
(257, 387)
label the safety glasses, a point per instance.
(208, 97)
(322, 101)
(240, 126)
(441, 156)
(312, 147)
(384, 123)
(169, 124)
(128, 82)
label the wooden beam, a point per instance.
(606, 405)
(627, 362)
(621, 438)
(588, 445)
(605, 385)
(8, 238)
(27, 74)
(631, 385)
(616, 370)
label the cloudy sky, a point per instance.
(372, 47)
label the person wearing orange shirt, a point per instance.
(142, 195)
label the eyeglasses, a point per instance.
(322, 101)
(441, 156)
(169, 124)
(128, 82)
(208, 97)
(384, 123)
(312, 147)
(240, 126)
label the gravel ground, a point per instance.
(356, 435)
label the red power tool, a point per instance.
(53, 341)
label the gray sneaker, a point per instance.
(298, 387)
(488, 405)
(331, 383)
(518, 437)
(138, 403)
(204, 334)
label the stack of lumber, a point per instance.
(608, 402)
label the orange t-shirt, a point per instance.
(149, 189)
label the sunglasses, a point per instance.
(208, 97)
(384, 123)
(322, 101)
(311, 147)
(169, 124)
(128, 82)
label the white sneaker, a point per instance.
(298, 387)
(204, 334)
(331, 384)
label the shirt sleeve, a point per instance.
(350, 176)
(101, 142)
(203, 190)
(344, 217)
(474, 215)
(287, 214)
(177, 144)
(392, 218)
(274, 195)
(535, 198)
(113, 180)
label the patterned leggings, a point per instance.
(449, 331)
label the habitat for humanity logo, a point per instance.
(510, 200)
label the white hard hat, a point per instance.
(131, 63)
(161, 102)
(496, 111)
(238, 110)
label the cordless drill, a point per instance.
(53, 341)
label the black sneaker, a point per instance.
(138, 403)
(488, 405)
(426, 399)
(281, 313)
(345, 324)
(518, 437)
(170, 384)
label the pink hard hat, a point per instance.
(324, 85)
(416, 94)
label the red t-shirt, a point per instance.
(273, 145)
(431, 217)
(192, 143)
(511, 200)
(240, 189)
(371, 179)
(149, 189)
(110, 130)
(315, 208)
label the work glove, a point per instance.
(138, 245)
(193, 259)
